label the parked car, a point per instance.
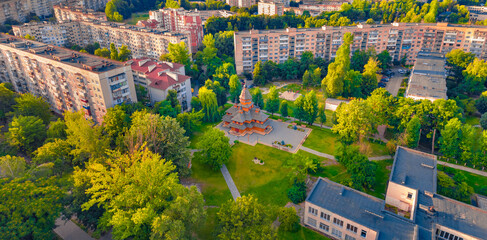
(401, 71)
(382, 84)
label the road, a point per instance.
(395, 82)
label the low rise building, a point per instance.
(205, 14)
(412, 209)
(401, 40)
(428, 77)
(477, 13)
(160, 77)
(68, 80)
(271, 8)
(64, 12)
(180, 20)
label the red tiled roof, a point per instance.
(160, 81)
(152, 23)
(161, 65)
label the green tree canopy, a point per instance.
(209, 104)
(30, 105)
(57, 130)
(283, 109)
(272, 101)
(257, 97)
(26, 133)
(216, 149)
(178, 53)
(235, 88)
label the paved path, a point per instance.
(395, 82)
(230, 183)
(467, 169)
(380, 158)
(320, 154)
(69, 231)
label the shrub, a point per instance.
(297, 193)
(289, 219)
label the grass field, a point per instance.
(136, 17)
(198, 133)
(479, 183)
(302, 234)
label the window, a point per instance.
(363, 234)
(410, 195)
(336, 233)
(313, 211)
(324, 227)
(325, 216)
(347, 237)
(351, 228)
(312, 222)
(442, 235)
(338, 222)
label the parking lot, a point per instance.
(394, 82)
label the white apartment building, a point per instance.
(271, 8)
(20, 9)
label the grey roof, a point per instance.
(245, 94)
(481, 201)
(361, 208)
(428, 78)
(414, 169)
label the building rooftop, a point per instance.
(481, 201)
(66, 56)
(428, 78)
(361, 208)
(161, 74)
(414, 169)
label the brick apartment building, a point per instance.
(183, 21)
(68, 80)
(141, 41)
(160, 77)
(20, 9)
(64, 12)
(412, 209)
(399, 39)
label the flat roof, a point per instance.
(361, 208)
(428, 78)
(414, 169)
(63, 55)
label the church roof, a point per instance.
(245, 94)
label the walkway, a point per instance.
(320, 154)
(466, 169)
(68, 230)
(230, 183)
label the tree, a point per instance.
(283, 109)
(258, 75)
(354, 121)
(413, 133)
(370, 76)
(382, 104)
(220, 91)
(272, 102)
(289, 219)
(321, 114)
(110, 10)
(310, 107)
(189, 121)
(244, 218)
(7, 98)
(209, 104)
(102, 52)
(113, 52)
(30, 105)
(115, 123)
(29, 37)
(362, 171)
(88, 140)
(333, 82)
(26, 133)
(196, 103)
(178, 53)
(172, 4)
(483, 121)
(299, 111)
(164, 108)
(56, 152)
(481, 103)
(124, 53)
(142, 196)
(29, 208)
(216, 149)
(57, 130)
(306, 78)
(12, 167)
(162, 135)
(450, 139)
(385, 60)
(257, 97)
(235, 87)
(223, 73)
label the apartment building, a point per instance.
(412, 209)
(180, 20)
(160, 77)
(324, 7)
(96, 5)
(64, 12)
(477, 13)
(205, 14)
(68, 80)
(241, 3)
(20, 9)
(300, 11)
(58, 34)
(428, 77)
(141, 41)
(400, 39)
(271, 8)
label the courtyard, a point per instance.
(284, 136)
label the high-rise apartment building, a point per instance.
(401, 40)
(58, 34)
(180, 20)
(92, 4)
(271, 8)
(241, 3)
(20, 9)
(64, 12)
(68, 80)
(141, 41)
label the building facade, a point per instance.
(68, 80)
(20, 9)
(92, 4)
(160, 77)
(241, 3)
(411, 210)
(58, 34)
(64, 12)
(271, 8)
(183, 21)
(402, 40)
(141, 41)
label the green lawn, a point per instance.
(479, 183)
(198, 133)
(136, 17)
(301, 234)
(207, 230)
(472, 120)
